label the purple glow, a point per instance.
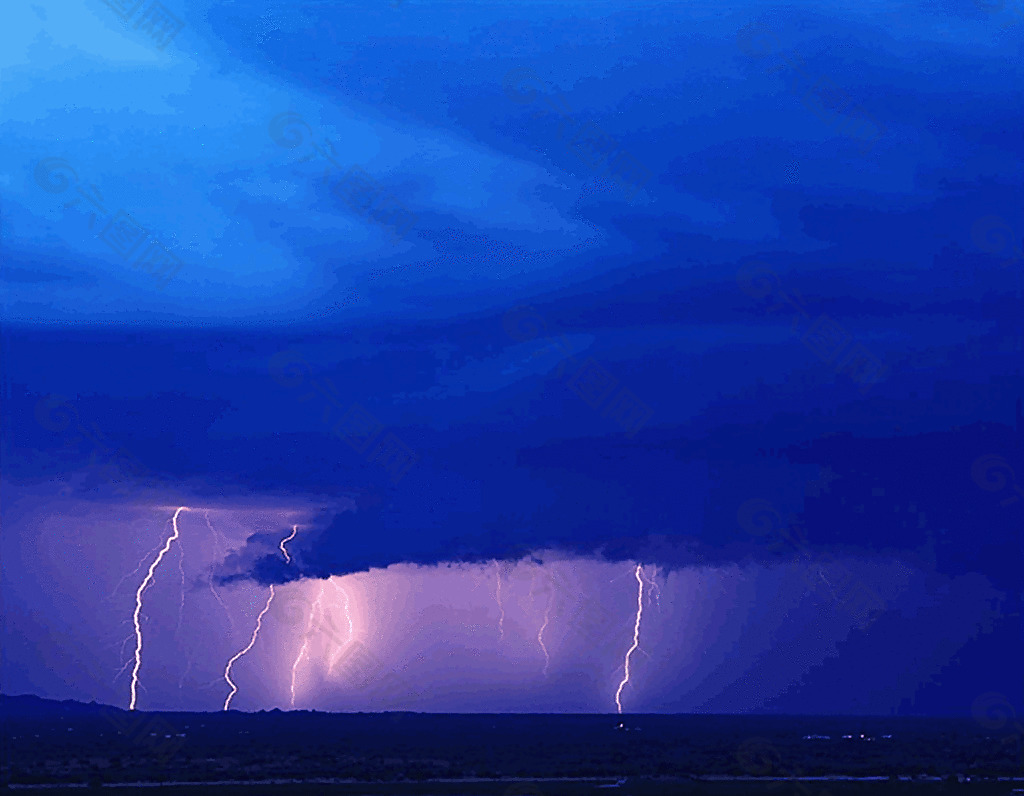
(420, 637)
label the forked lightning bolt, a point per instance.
(654, 590)
(252, 642)
(288, 558)
(138, 604)
(636, 633)
(135, 571)
(113, 594)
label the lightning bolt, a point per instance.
(138, 604)
(127, 662)
(132, 573)
(181, 605)
(123, 669)
(348, 617)
(219, 546)
(654, 590)
(288, 558)
(497, 598)
(540, 635)
(636, 633)
(256, 630)
(218, 538)
(252, 642)
(216, 596)
(188, 668)
(305, 641)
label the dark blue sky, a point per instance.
(696, 286)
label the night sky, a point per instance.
(519, 320)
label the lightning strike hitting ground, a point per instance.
(252, 642)
(636, 633)
(501, 606)
(305, 641)
(288, 558)
(138, 604)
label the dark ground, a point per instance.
(48, 742)
(631, 788)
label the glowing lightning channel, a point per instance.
(188, 668)
(497, 598)
(636, 633)
(288, 558)
(122, 670)
(217, 597)
(252, 642)
(135, 571)
(540, 635)
(181, 606)
(138, 604)
(351, 627)
(218, 542)
(653, 590)
(305, 640)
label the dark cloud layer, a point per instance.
(783, 343)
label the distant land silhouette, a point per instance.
(49, 742)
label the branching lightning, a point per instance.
(252, 642)
(138, 604)
(654, 590)
(636, 634)
(318, 604)
(127, 662)
(288, 558)
(135, 571)
(497, 598)
(123, 669)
